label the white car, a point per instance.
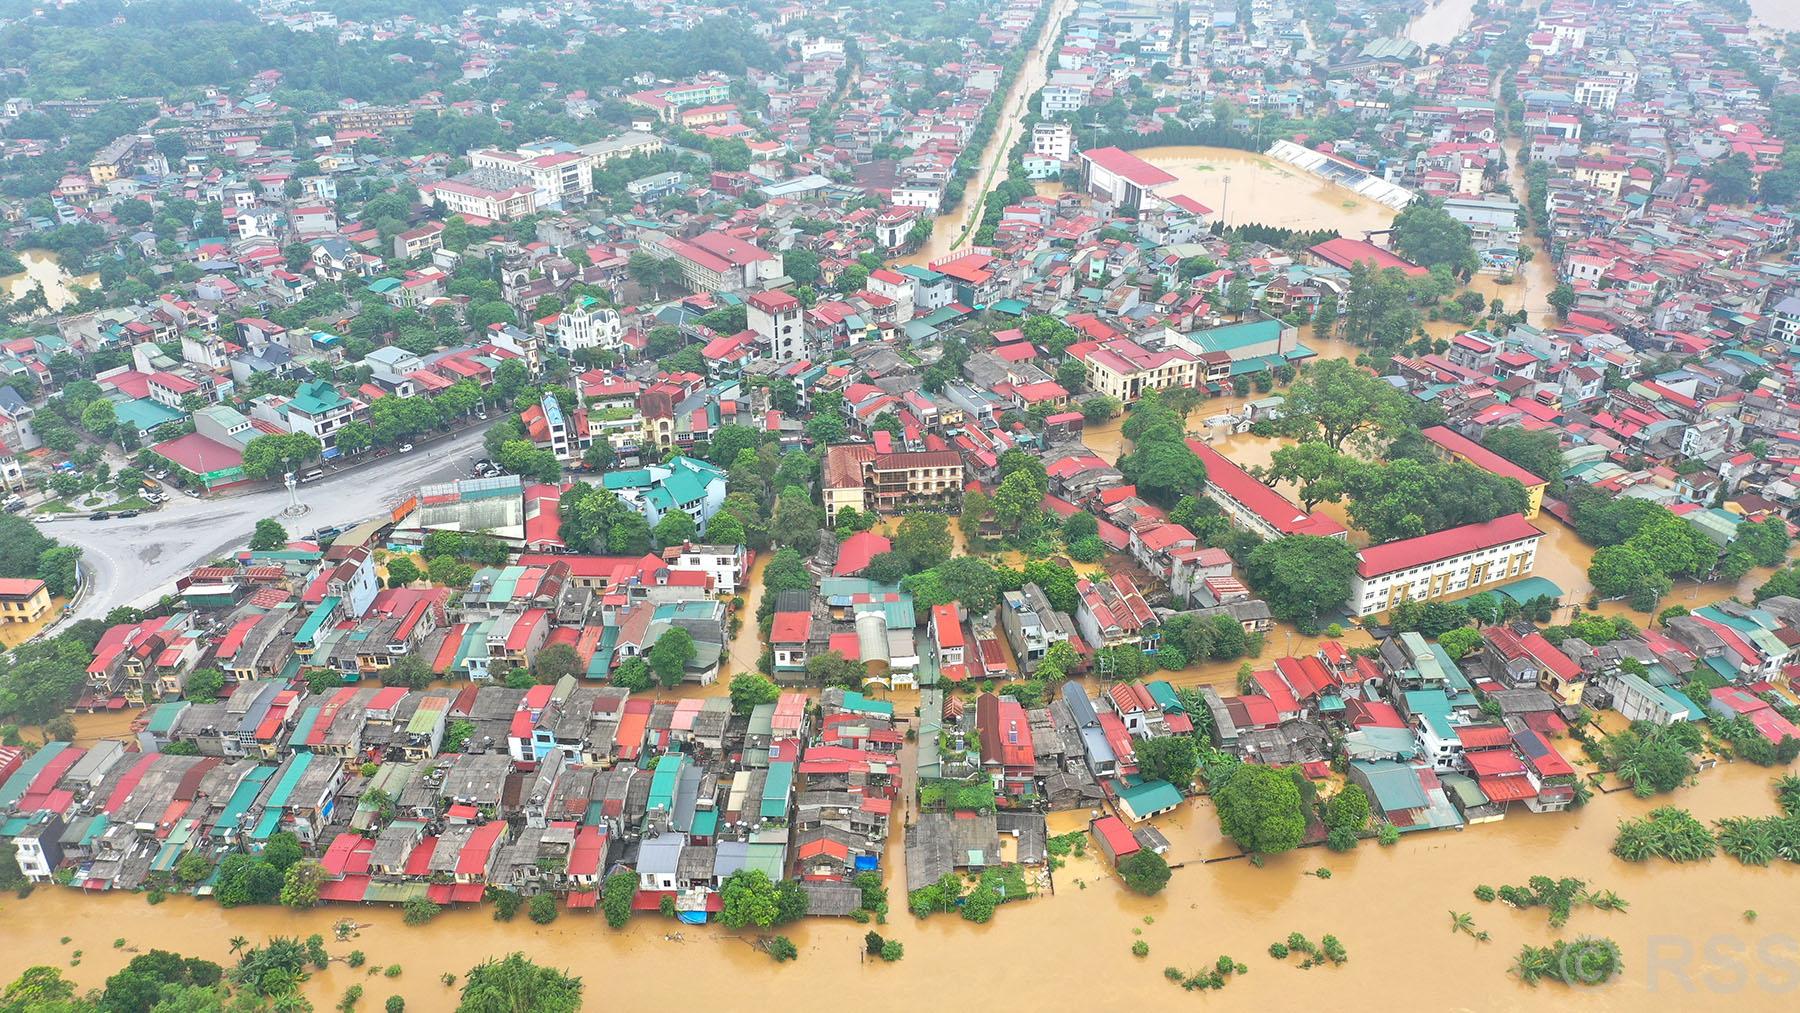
(406, 448)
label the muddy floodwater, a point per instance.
(1685, 940)
(1782, 14)
(42, 268)
(1441, 22)
(1244, 187)
(950, 230)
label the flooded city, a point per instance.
(355, 680)
(1685, 940)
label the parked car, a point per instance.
(99, 515)
(406, 448)
(126, 513)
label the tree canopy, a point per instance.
(1302, 577)
(1259, 808)
(1338, 401)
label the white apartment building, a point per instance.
(1053, 140)
(486, 197)
(1443, 564)
(556, 176)
(776, 318)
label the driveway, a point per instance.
(133, 561)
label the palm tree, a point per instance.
(238, 943)
(1532, 963)
(1462, 921)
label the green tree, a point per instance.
(100, 418)
(1340, 401)
(300, 885)
(204, 685)
(797, 521)
(1259, 808)
(1426, 234)
(670, 655)
(1537, 452)
(555, 662)
(270, 455)
(1315, 469)
(409, 670)
(269, 535)
(616, 895)
(923, 539)
(1144, 871)
(1171, 758)
(750, 898)
(749, 689)
(1346, 815)
(542, 908)
(401, 571)
(633, 674)
(1562, 299)
(1302, 577)
(515, 984)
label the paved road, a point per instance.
(131, 561)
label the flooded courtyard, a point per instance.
(1243, 187)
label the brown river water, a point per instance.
(950, 229)
(42, 268)
(1686, 942)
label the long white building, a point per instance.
(1442, 564)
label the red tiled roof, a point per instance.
(1261, 500)
(1346, 253)
(1128, 166)
(790, 628)
(1408, 552)
(1480, 456)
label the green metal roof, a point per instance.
(1527, 588)
(1147, 797)
(777, 789)
(16, 785)
(320, 616)
(706, 823)
(854, 701)
(241, 799)
(276, 804)
(1232, 337)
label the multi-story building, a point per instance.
(1443, 564)
(1458, 447)
(588, 324)
(1053, 140)
(427, 238)
(715, 261)
(1031, 625)
(319, 411)
(777, 319)
(625, 145)
(1123, 369)
(863, 477)
(555, 175)
(23, 600)
(1253, 506)
(489, 196)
